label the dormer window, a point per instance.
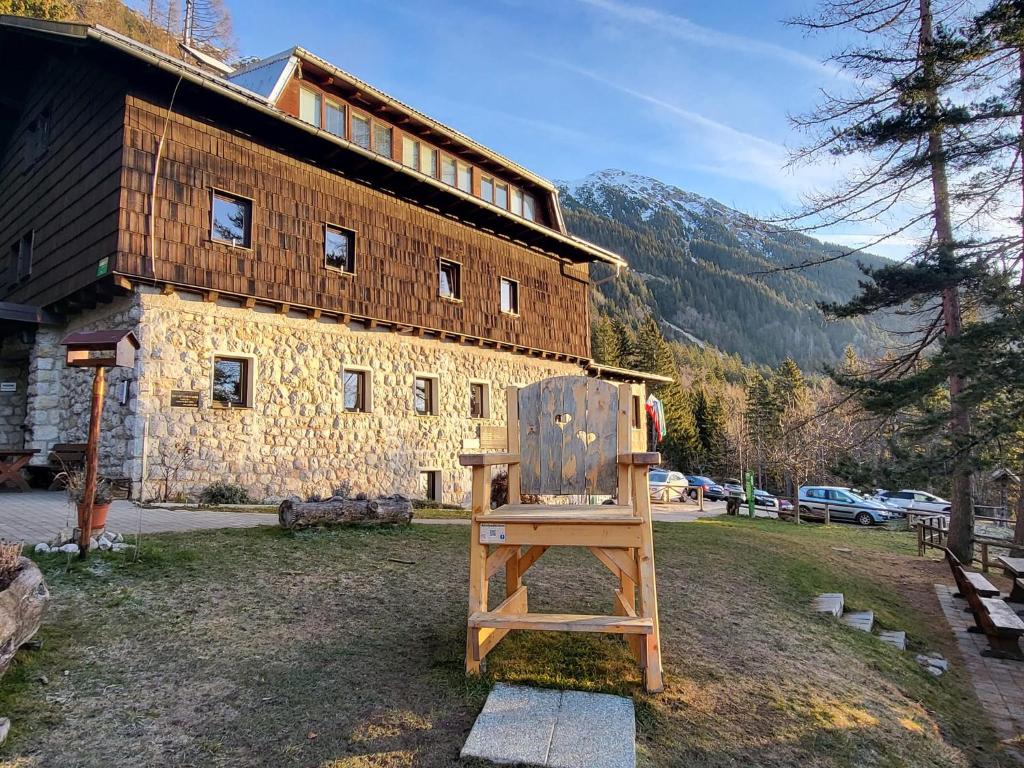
(448, 175)
(310, 104)
(517, 201)
(335, 118)
(501, 194)
(381, 139)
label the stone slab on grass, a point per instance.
(560, 729)
(862, 620)
(894, 637)
(829, 602)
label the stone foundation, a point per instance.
(296, 439)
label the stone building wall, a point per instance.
(297, 437)
(59, 397)
(14, 356)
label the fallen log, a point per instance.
(386, 510)
(21, 610)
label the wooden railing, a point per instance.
(933, 533)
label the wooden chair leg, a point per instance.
(648, 587)
(477, 566)
(513, 578)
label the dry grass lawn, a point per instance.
(264, 648)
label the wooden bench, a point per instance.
(1013, 567)
(1002, 627)
(65, 457)
(962, 576)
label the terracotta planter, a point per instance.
(99, 514)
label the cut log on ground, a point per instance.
(21, 610)
(386, 510)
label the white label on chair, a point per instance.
(492, 534)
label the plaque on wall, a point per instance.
(184, 398)
(8, 386)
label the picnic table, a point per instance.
(11, 463)
(1014, 568)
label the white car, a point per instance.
(914, 501)
(668, 486)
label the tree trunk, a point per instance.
(21, 610)
(961, 518)
(385, 510)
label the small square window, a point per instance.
(479, 400)
(356, 391)
(232, 219)
(448, 170)
(382, 139)
(309, 106)
(450, 280)
(340, 249)
(509, 296)
(231, 382)
(425, 396)
(430, 484)
(361, 131)
(335, 122)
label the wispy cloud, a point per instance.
(684, 29)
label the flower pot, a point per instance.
(99, 514)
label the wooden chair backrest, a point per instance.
(569, 431)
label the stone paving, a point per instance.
(38, 515)
(998, 683)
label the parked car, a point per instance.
(712, 490)
(843, 504)
(734, 488)
(785, 506)
(914, 501)
(667, 486)
(766, 500)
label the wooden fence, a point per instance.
(933, 533)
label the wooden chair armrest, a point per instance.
(640, 459)
(487, 459)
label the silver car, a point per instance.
(914, 501)
(667, 486)
(842, 504)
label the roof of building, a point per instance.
(626, 374)
(249, 85)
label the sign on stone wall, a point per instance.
(8, 386)
(184, 398)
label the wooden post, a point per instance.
(920, 539)
(92, 456)
(477, 565)
(984, 556)
(828, 514)
(700, 497)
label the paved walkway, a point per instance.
(38, 515)
(998, 683)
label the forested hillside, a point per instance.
(703, 271)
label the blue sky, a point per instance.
(693, 93)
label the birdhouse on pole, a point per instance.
(101, 349)
(97, 350)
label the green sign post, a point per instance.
(748, 484)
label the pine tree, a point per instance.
(709, 417)
(625, 342)
(604, 343)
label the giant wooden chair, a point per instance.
(566, 436)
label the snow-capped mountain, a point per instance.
(705, 271)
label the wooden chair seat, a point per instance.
(564, 622)
(563, 513)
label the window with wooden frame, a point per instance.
(20, 268)
(501, 194)
(424, 396)
(430, 484)
(410, 153)
(360, 130)
(339, 249)
(334, 118)
(310, 106)
(232, 382)
(231, 219)
(355, 385)
(465, 178)
(448, 170)
(509, 290)
(517, 201)
(479, 400)
(487, 188)
(382, 139)
(428, 161)
(529, 207)
(449, 282)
